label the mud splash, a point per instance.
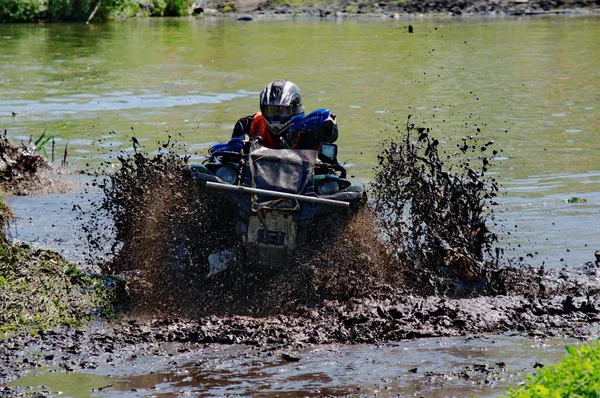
(426, 208)
(162, 228)
(424, 236)
(166, 225)
(435, 208)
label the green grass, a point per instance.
(40, 143)
(40, 290)
(78, 10)
(576, 375)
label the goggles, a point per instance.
(278, 112)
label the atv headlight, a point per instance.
(227, 174)
(328, 187)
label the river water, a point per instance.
(442, 367)
(529, 84)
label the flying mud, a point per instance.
(420, 259)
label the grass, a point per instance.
(576, 375)
(41, 141)
(5, 217)
(40, 290)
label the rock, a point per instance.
(290, 357)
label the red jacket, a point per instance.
(256, 126)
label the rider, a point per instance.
(280, 101)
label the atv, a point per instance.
(280, 195)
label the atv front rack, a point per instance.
(282, 195)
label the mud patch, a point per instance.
(23, 171)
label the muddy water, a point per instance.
(53, 221)
(481, 366)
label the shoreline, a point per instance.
(250, 10)
(410, 10)
(274, 17)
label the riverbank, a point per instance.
(401, 9)
(23, 11)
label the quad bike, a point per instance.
(279, 195)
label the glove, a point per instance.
(329, 130)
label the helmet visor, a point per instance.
(278, 112)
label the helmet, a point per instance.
(280, 101)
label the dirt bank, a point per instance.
(24, 170)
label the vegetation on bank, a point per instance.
(576, 375)
(39, 290)
(86, 10)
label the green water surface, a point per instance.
(530, 84)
